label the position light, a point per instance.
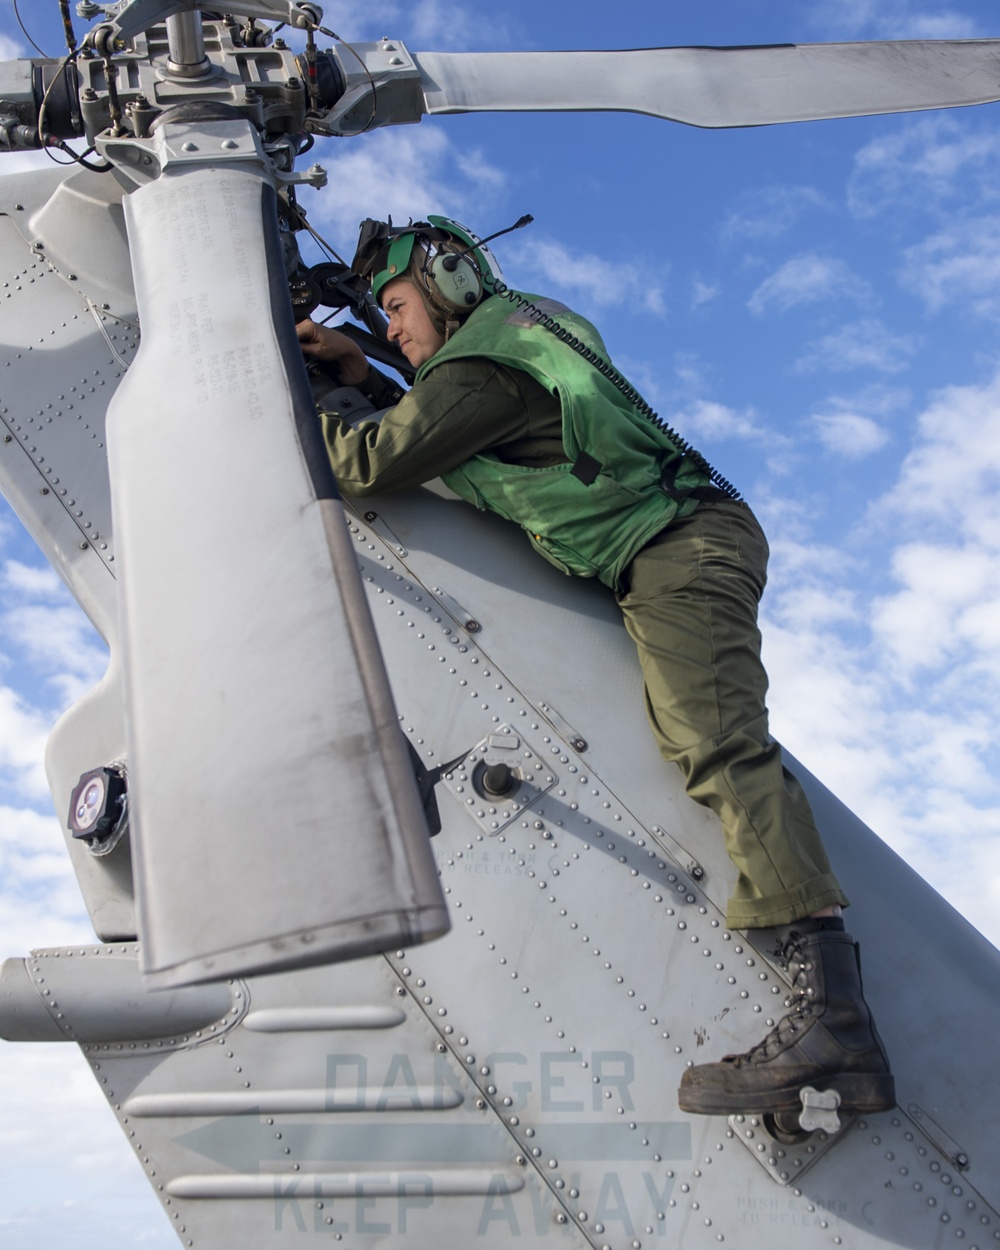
(96, 805)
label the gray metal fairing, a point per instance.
(514, 1082)
(70, 330)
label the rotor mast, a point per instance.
(186, 38)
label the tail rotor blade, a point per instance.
(275, 815)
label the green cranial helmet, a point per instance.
(446, 261)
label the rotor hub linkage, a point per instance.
(104, 40)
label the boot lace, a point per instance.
(791, 956)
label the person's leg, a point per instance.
(691, 608)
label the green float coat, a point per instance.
(591, 530)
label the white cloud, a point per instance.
(690, 372)
(100, 1185)
(706, 419)
(812, 606)
(425, 25)
(948, 25)
(30, 580)
(806, 279)
(10, 49)
(959, 264)
(40, 904)
(873, 692)
(703, 292)
(946, 565)
(46, 629)
(406, 173)
(766, 212)
(938, 161)
(893, 19)
(23, 733)
(854, 426)
(20, 827)
(60, 640)
(480, 172)
(850, 434)
(865, 344)
(952, 472)
(596, 281)
(824, 705)
(34, 865)
(922, 623)
(444, 24)
(868, 732)
(50, 647)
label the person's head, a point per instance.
(411, 327)
(445, 264)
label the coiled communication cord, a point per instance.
(607, 370)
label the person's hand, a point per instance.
(323, 343)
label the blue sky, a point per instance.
(815, 306)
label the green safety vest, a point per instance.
(590, 516)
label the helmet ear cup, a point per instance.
(458, 283)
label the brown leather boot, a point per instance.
(828, 1039)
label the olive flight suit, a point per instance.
(516, 421)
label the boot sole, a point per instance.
(860, 1094)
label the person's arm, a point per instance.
(460, 408)
(382, 391)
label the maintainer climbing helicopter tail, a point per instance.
(247, 824)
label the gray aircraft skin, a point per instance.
(335, 1029)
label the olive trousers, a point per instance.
(690, 605)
